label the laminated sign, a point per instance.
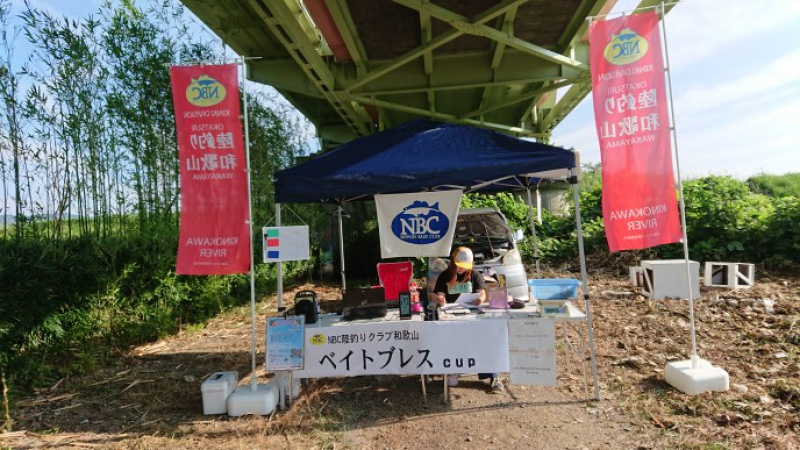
(420, 224)
(285, 342)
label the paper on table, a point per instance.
(466, 300)
(455, 308)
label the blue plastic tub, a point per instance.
(554, 288)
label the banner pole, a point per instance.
(533, 230)
(279, 265)
(341, 245)
(585, 284)
(673, 129)
(253, 378)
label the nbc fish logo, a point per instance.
(420, 223)
(205, 91)
(317, 339)
(625, 48)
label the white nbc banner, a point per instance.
(420, 224)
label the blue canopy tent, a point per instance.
(425, 155)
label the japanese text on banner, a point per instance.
(406, 348)
(214, 235)
(630, 104)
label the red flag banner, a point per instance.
(214, 234)
(640, 206)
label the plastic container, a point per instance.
(553, 307)
(246, 400)
(216, 390)
(554, 288)
(414, 292)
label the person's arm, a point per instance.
(481, 298)
(479, 287)
(439, 289)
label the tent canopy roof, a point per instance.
(424, 155)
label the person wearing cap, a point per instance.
(459, 278)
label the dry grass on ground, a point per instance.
(150, 396)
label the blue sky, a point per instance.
(735, 68)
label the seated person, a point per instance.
(460, 278)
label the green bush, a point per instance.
(725, 220)
(787, 185)
(81, 299)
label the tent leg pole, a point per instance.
(278, 265)
(533, 232)
(341, 245)
(585, 281)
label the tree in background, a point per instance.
(88, 157)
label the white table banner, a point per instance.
(420, 224)
(406, 347)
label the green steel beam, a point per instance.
(282, 21)
(578, 26)
(426, 35)
(442, 116)
(568, 102)
(284, 74)
(465, 70)
(507, 27)
(464, 25)
(444, 38)
(344, 22)
(515, 100)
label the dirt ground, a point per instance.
(150, 397)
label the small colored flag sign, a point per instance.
(285, 243)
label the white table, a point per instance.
(573, 314)
(573, 321)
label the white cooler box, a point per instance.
(216, 390)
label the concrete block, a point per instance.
(732, 275)
(666, 278)
(637, 276)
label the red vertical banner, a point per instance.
(214, 234)
(640, 206)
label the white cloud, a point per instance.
(698, 29)
(744, 144)
(736, 89)
(772, 80)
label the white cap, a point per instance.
(463, 257)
